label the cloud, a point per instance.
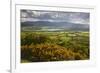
(73, 17)
(82, 18)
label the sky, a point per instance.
(51, 16)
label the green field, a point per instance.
(44, 46)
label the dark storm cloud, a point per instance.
(73, 17)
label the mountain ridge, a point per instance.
(64, 25)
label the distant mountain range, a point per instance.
(62, 25)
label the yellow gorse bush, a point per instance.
(48, 52)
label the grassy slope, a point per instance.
(74, 43)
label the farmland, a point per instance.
(43, 46)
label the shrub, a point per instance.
(48, 52)
(26, 52)
(28, 39)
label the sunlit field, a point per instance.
(44, 46)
